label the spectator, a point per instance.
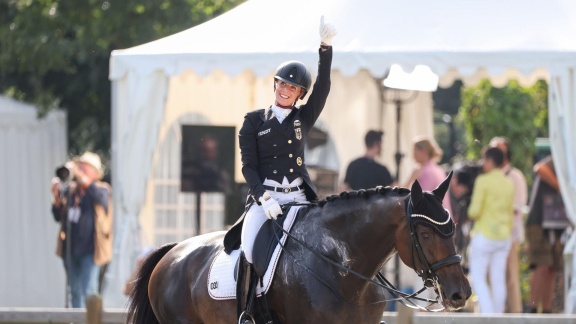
(514, 298)
(85, 237)
(460, 192)
(492, 210)
(545, 226)
(429, 174)
(365, 172)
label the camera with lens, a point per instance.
(65, 175)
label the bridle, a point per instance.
(428, 273)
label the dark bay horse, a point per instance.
(359, 230)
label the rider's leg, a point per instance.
(243, 291)
(254, 218)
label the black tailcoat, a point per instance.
(274, 150)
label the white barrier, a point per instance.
(474, 318)
(118, 316)
(57, 315)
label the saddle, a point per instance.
(266, 241)
(249, 306)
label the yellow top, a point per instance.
(492, 205)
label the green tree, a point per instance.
(56, 53)
(519, 113)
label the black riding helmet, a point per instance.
(295, 73)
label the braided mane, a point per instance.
(363, 193)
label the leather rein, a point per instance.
(428, 275)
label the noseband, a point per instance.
(428, 271)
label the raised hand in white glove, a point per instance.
(327, 32)
(271, 207)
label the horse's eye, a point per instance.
(425, 235)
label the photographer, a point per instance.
(84, 209)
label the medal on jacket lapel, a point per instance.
(297, 129)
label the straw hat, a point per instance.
(92, 159)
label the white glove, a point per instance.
(271, 207)
(327, 32)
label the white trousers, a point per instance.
(488, 258)
(255, 216)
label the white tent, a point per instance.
(31, 274)
(223, 68)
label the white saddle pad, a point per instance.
(221, 283)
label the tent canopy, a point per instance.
(451, 34)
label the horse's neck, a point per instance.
(359, 235)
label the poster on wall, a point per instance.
(208, 155)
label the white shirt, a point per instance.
(280, 113)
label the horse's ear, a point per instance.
(416, 192)
(442, 188)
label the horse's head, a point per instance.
(426, 244)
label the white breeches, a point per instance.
(488, 259)
(255, 216)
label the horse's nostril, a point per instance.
(457, 296)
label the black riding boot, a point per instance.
(245, 292)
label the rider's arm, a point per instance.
(317, 99)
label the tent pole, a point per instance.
(398, 156)
(198, 211)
